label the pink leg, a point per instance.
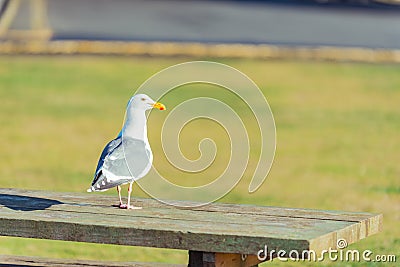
(121, 205)
(129, 198)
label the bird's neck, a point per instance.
(135, 124)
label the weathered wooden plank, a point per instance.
(204, 223)
(192, 221)
(364, 218)
(236, 237)
(70, 231)
(94, 199)
(22, 261)
(215, 228)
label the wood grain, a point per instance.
(220, 228)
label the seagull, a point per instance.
(128, 157)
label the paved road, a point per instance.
(224, 21)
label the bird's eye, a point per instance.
(143, 99)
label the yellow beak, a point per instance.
(159, 106)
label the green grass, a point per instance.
(337, 124)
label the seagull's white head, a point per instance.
(144, 102)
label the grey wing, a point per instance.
(129, 159)
(108, 149)
(138, 157)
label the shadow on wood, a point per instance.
(24, 203)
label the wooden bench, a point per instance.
(215, 235)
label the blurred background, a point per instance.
(329, 70)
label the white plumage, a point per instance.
(128, 157)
